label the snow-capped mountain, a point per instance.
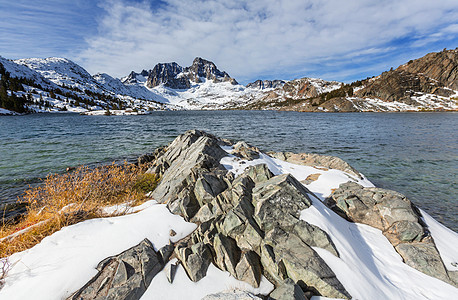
(428, 83)
(62, 72)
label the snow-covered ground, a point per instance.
(368, 266)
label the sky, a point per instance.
(254, 39)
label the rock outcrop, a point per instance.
(250, 225)
(174, 76)
(312, 159)
(399, 220)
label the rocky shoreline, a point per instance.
(253, 217)
(250, 226)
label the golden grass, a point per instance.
(70, 198)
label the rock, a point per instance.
(189, 153)
(249, 268)
(399, 221)
(303, 264)
(258, 173)
(208, 186)
(279, 200)
(171, 271)
(165, 252)
(172, 232)
(314, 236)
(227, 254)
(274, 269)
(288, 290)
(195, 260)
(317, 160)
(243, 150)
(232, 295)
(425, 258)
(124, 276)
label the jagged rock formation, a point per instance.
(167, 74)
(250, 225)
(441, 66)
(176, 77)
(124, 276)
(399, 220)
(204, 68)
(266, 84)
(133, 77)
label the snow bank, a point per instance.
(63, 262)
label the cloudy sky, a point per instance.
(254, 39)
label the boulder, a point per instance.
(399, 220)
(124, 276)
(317, 160)
(279, 200)
(227, 254)
(249, 268)
(243, 150)
(195, 259)
(287, 290)
(189, 153)
(303, 264)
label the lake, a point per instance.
(413, 153)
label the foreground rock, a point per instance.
(124, 276)
(399, 220)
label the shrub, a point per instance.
(73, 197)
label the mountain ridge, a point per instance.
(427, 83)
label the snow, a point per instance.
(446, 241)
(63, 262)
(7, 112)
(183, 288)
(368, 266)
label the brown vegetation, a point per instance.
(70, 198)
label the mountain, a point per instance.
(429, 83)
(266, 84)
(425, 84)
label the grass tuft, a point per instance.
(67, 199)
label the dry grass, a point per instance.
(70, 198)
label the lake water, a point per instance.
(413, 153)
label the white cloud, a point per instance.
(257, 37)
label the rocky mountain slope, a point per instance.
(425, 84)
(283, 225)
(429, 83)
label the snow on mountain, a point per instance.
(19, 70)
(62, 71)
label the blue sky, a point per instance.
(257, 39)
